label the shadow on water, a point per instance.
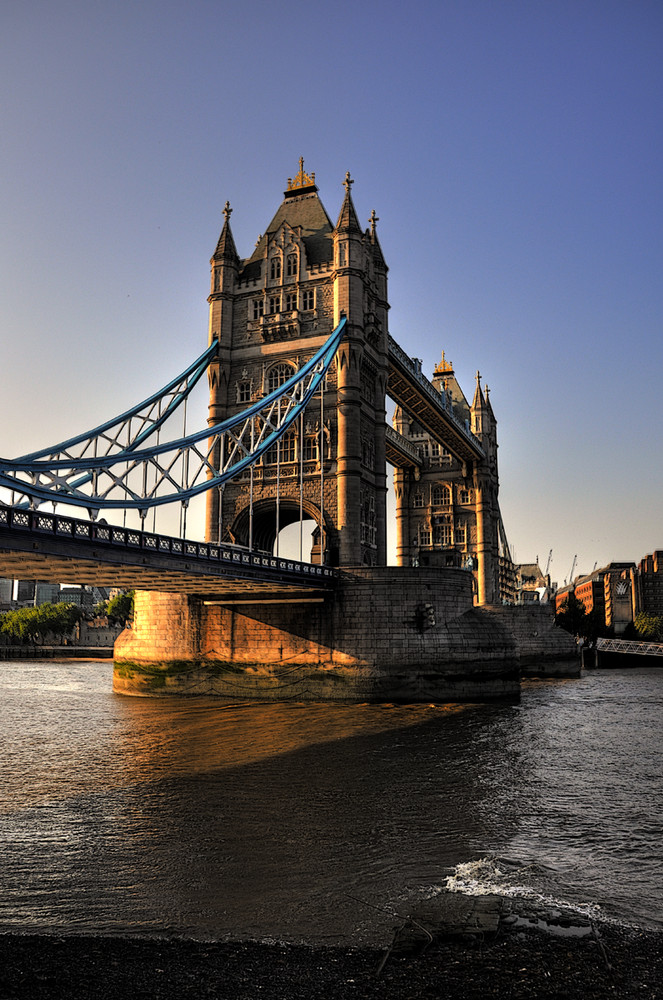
(290, 821)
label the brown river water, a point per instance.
(192, 817)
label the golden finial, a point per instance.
(302, 179)
(443, 366)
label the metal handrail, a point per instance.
(629, 646)
(132, 538)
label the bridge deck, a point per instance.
(51, 548)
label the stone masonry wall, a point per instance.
(544, 650)
(388, 633)
(385, 634)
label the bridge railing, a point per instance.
(628, 646)
(113, 536)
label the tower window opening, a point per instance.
(308, 300)
(441, 495)
(288, 450)
(291, 265)
(275, 268)
(274, 304)
(291, 302)
(258, 308)
(311, 448)
(443, 535)
(368, 521)
(278, 375)
(244, 391)
(418, 500)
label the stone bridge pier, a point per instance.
(386, 634)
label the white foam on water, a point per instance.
(484, 877)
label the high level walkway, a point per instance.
(412, 390)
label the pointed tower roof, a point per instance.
(303, 211)
(372, 235)
(225, 248)
(347, 219)
(489, 408)
(478, 403)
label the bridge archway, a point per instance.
(265, 521)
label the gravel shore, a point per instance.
(517, 959)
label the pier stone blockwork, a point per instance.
(396, 634)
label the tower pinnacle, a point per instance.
(301, 179)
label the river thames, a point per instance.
(299, 822)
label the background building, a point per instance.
(647, 582)
(532, 585)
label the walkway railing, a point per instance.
(626, 646)
(112, 537)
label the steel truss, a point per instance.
(115, 467)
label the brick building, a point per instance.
(648, 585)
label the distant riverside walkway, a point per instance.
(69, 652)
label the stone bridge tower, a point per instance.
(270, 313)
(447, 513)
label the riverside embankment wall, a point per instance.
(388, 633)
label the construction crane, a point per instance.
(573, 566)
(548, 563)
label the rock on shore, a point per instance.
(519, 959)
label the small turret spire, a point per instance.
(347, 219)
(225, 248)
(478, 403)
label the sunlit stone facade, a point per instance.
(270, 312)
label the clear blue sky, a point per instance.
(511, 150)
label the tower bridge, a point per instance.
(299, 365)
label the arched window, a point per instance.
(278, 374)
(244, 391)
(441, 495)
(311, 448)
(291, 265)
(275, 268)
(465, 495)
